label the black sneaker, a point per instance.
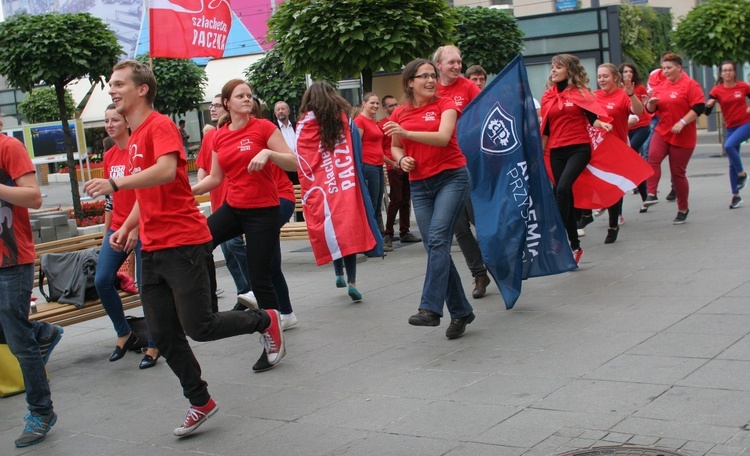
(650, 201)
(681, 217)
(741, 182)
(458, 326)
(424, 317)
(736, 201)
(47, 344)
(671, 196)
(584, 220)
(36, 429)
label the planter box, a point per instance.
(82, 176)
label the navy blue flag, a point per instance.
(518, 225)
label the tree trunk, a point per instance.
(366, 80)
(69, 147)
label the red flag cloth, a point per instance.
(332, 200)
(184, 29)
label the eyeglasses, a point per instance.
(215, 106)
(390, 106)
(425, 76)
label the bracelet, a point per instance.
(683, 122)
(112, 183)
(398, 163)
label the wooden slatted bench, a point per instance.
(295, 231)
(68, 314)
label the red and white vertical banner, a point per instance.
(184, 29)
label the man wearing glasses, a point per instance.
(400, 194)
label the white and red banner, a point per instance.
(332, 195)
(184, 29)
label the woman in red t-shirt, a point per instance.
(372, 152)
(639, 127)
(619, 103)
(677, 101)
(568, 108)
(732, 95)
(243, 148)
(423, 132)
(117, 208)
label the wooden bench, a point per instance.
(68, 314)
(295, 231)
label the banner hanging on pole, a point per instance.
(184, 29)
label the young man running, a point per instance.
(178, 269)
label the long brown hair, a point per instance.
(577, 76)
(327, 105)
(226, 94)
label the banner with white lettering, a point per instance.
(184, 29)
(518, 224)
(338, 211)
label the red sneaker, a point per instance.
(195, 417)
(273, 338)
(577, 254)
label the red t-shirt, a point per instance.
(16, 241)
(386, 141)
(116, 162)
(644, 119)
(236, 148)
(675, 100)
(169, 217)
(372, 141)
(461, 92)
(430, 160)
(205, 160)
(568, 124)
(617, 104)
(733, 103)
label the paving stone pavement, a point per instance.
(646, 344)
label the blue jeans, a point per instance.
(236, 258)
(107, 265)
(375, 183)
(21, 334)
(735, 136)
(438, 202)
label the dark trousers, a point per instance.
(261, 229)
(467, 242)
(176, 294)
(398, 202)
(567, 164)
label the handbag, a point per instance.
(11, 378)
(69, 276)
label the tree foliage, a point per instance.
(41, 105)
(55, 49)
(644, 35)
(715, 31)
(179, 84)
(334, 38)
(271, 82)
(488, 37)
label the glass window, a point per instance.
(7, 97)
(567, 44)
(559, 25)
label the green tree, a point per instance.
(488, 37)
(333, 38)
(272, 83)
(55, 49)
(715, 31)
(41, 105)
(180, 85)
(644, 35)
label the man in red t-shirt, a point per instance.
(179, 279)
(30, 342)
(452, 85)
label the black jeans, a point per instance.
(176, 294)
(261, 229)
(567, 164)
(467, 242)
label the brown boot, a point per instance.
(480, 286)
(388, 243)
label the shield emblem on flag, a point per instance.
(499, 132)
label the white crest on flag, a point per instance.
(499, 135)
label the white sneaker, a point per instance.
(288, 321)
(581, 232)
(248, 299)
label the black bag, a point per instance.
(140, 329)
(70, 276)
